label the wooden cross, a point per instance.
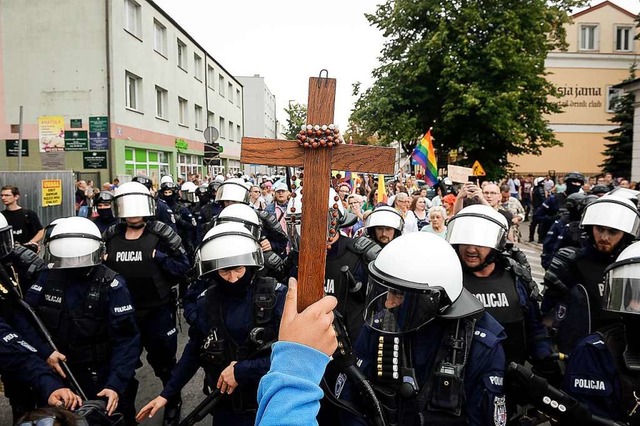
(317, 164)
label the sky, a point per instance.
(288, 41)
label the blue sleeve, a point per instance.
(190, 298)
(289, 394)
(484, 374)
(250, 371)
(537, 338)
(176, 263)
(549, 243)
(22, 323)
(187, 366)
(124, 336)
(16, 355)
(591, 378)
(165, 215)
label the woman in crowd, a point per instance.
(437, 217)
(419, 207)
(254, 198)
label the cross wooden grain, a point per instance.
(317, 164)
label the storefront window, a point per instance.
(153, 164)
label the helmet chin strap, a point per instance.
(137, 226)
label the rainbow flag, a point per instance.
(347, 177)
(425, 155)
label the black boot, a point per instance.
(172, 412)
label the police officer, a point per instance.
(88, 311)
(164, 213)
(505, 288)
(247, 217)
(574, 279)
(28, 381)
(384, 224)
(237, 318)
(432, 354)
(538, 196)
(565, 231)
(603, 370)
(555, 204)
(149, 254)
(105, 217)
(186, 221)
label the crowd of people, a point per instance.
(431, 315)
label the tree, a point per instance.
(472, 70)
(297, 117)
(618, 153)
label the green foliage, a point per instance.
(472, 70)
(296, 117)
(618, 153)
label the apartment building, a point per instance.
(126, 90)
(600, 53)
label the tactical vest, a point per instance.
(82, 332)
(592, 278)
(147, 282)
(350, 300)
(499, 295)
(219, 348)
(442, 400)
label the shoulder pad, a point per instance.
(112, 231)
(28, 257)
(570, 254)
(485, 337)
(596, 341)
(559, 273)
(165, 233)
(269, 221)
(365, 247)
(204, 292)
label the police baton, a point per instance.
(203, 409)
(9, 290)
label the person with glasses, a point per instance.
(354, 203)
(255, 199)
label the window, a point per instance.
(182, 55)
(588, 37)
(160, 38)
(211, 77)
(230, 130)
(624, 39)
(238, 102)
(133, 88)
(161, 102)
(188, 165)
(149, 163)
(183, 117)
(132, 17)
(221, 85)
(230, 92)
(197, 66)
(197, 110)
(211, 119)
(612, 98)
(238, 133)
(221, 128)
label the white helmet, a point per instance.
(133, 199)
(6, 237)
(188, 192)
(74, 242)
(622, 282)
(166, 179)
(537, 181)
(614, 212)
(478, 225)
(226, 246)
(401, 299)
(234, 189)
(243, 214)
(384, 216)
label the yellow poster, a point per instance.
(51, 192)
(478, 170)
(51, 133)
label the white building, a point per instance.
(128, 61)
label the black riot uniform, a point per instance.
(236, 319)
(88, 311)
(153, 260)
